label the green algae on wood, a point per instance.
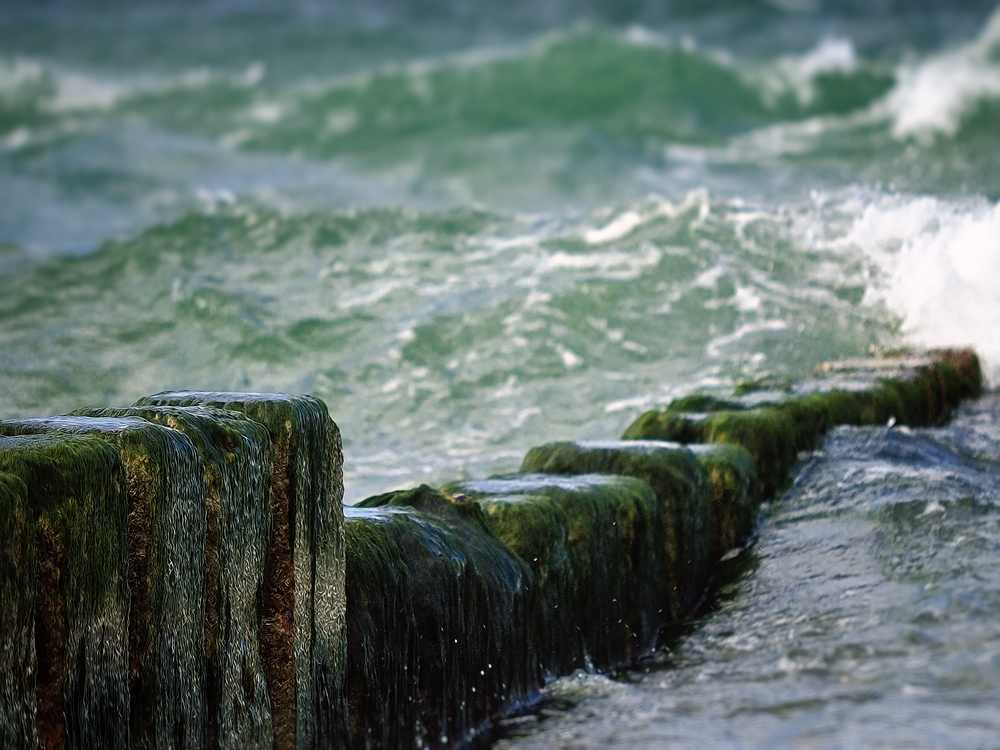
(236, 452)
(928, 396)
(383, 671)
(967, 372)
(767, 434)
(734, 495)
(916, 392)
(18, 595)
(811, 415)
(470, 602)
(681, 488)
(304, 588)
(593, 544)
(166, 572)
(74, 489)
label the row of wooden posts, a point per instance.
(182, 573)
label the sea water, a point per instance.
(474, 229)
(867, 615)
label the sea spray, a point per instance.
(941, 266)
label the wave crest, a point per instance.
(934, 97)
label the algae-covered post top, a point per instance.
(594, 545)
(166, 568)
(64, 591)
(305, 592)
(681, 488)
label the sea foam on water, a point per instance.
(932, 97)
(941, 265)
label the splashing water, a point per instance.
(472, 231)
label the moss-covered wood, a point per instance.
(136, 554)
(594, 546)
(73, 487)
(470, 604)
(681, 487)
(383, 671)
(18, 595)
(236, 452)
(304, 587)
(919, 395)
(733, 494)
(773, 433)
(767, 434)
(166, 573)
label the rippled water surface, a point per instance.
(869, 617)
(472, 229)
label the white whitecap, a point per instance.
(932, 97)
(715, 346)
(77, 91)
(19, 73)
(830, 55)
(570, 359)
(266, 113)
(630, 220)
(941, 270)
(616, 229)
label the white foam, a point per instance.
(76, 91)
(796, 74)
(613, 264)
(715, 346)
(18, 74)
(570, 359)
(616, 229)
(941, 270)
(60, 90)
(657, 208)
(266, 113)
(933, 96)
(65, 90)
(830, 55)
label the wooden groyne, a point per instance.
(181, 572)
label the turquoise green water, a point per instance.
(472, 230)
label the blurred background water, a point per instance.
(472, 229)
